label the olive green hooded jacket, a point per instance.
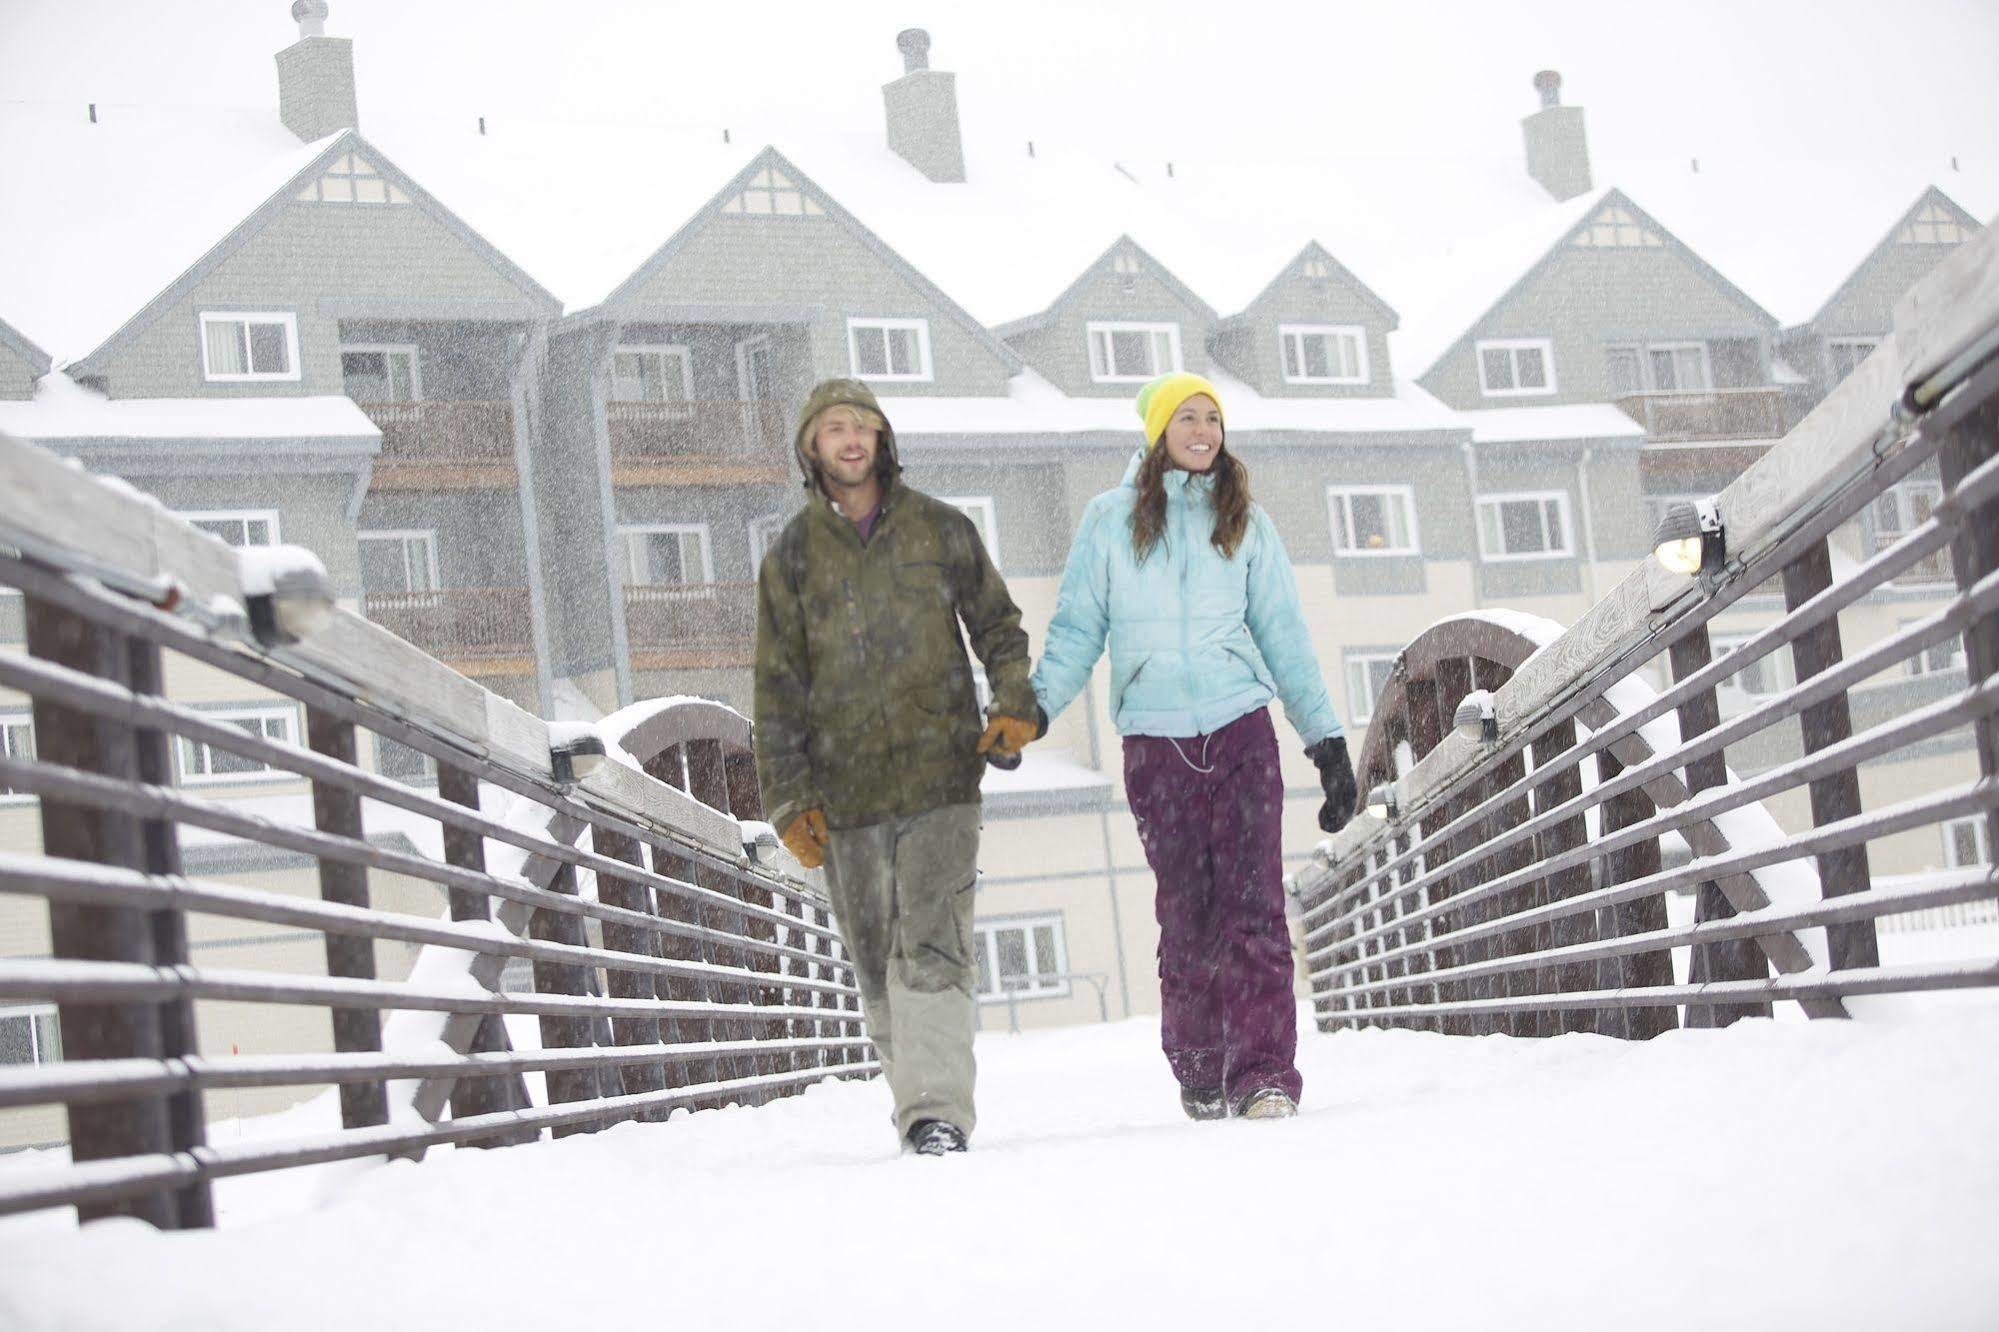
(865, 706)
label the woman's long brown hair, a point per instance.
(1231, 498)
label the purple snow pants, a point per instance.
(1209, 811)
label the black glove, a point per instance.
(1336, 780)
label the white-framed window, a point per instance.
(353, 180)
(1767, 675)
(1316, 267)
(1516, 367)
(1373, 520)
(1846, 354)
(1368, 670)
(238, 527)
(1660, 367)
(1900, 510)
(385, 372)
(979, 509)
(889, 348)
(1614, 227)
(1132, 353)
(1021, 955)
(1532, 525)
(1126, 263)
(1324, 353)
(29, 1035)
(1964, 842)
(17, 741)
(201, 763)
(763, 531)
(663, 373)
(399, 560)
(1934, 225)
(248, 346)
(1947, 655)
(668, 555)
(771, 193)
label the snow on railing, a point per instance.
(581, 924)
(1510, 875)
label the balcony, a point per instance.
(479, 630)
(1717, 414)
(677, 626)
(443, 445)
(699, 442)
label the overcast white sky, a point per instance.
(1801, 78)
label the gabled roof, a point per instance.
(327, 152)
(1103, 264)
(1600, 203)
(1930, 195)
(1335, 270)
(771, 158)
(37, 359)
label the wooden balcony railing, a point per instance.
(712, 617)
(454, 623)
(444, 434)
(754, 431)
(1751, 413)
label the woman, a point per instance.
(1187, 580)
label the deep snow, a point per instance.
(1823, 1175)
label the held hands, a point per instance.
(1005, 737)
(1336, 779)
(805, 837)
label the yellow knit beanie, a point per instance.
(1158, 400)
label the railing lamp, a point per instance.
(286, 595)
(574, 757)
(1477, 717)
(1690, 540)
(1382, 804)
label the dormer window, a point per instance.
(1125, 263)
(249, 346)
(1315, 267)
(351, 180)
(1324, 353)
(1615, 228)
(1516, 367)
(1934, 225)
(1132, 353)
(889, 348)
(772, 193)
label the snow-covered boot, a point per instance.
(935, 1137)
(1270, 1103)
(1204, 1102)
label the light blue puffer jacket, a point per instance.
(1196, 640)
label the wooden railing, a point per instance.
(700, 967)
(1719, 414)
(432, 434)
(756, 431)
(720, 616)
(457, 622)
(1513, 877)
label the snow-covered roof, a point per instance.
(65, 410)
(1580, 420)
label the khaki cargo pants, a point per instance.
(902, 893)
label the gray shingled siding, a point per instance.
(478, 532)
(1061, 350)
(1258, 358)
(727, 511)
(711, 351)
(17, 377)
(816, 262)
(308, 252)
(1032, 528)
(312, 511)
(455, 362)
(1616, 524)
(1864, 309)
(1587, 300)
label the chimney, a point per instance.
(316, 77)
(1557, 153)
(923, 112)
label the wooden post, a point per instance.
(1974, 554)
(1837, 796)
(337, 812)
(1453, 682)
(467, 850)
(1736, 959)
(1425, 732)
(66, 737)
(1567, 835)
(1641, 858)
(558, 1032)
(612, 891)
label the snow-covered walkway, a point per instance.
(1823, 1175)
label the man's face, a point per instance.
(844, 446)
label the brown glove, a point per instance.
(805, 837)
(1007, 735)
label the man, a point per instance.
(868, 742)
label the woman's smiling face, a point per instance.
(1194, 434)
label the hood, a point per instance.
(853, 393)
